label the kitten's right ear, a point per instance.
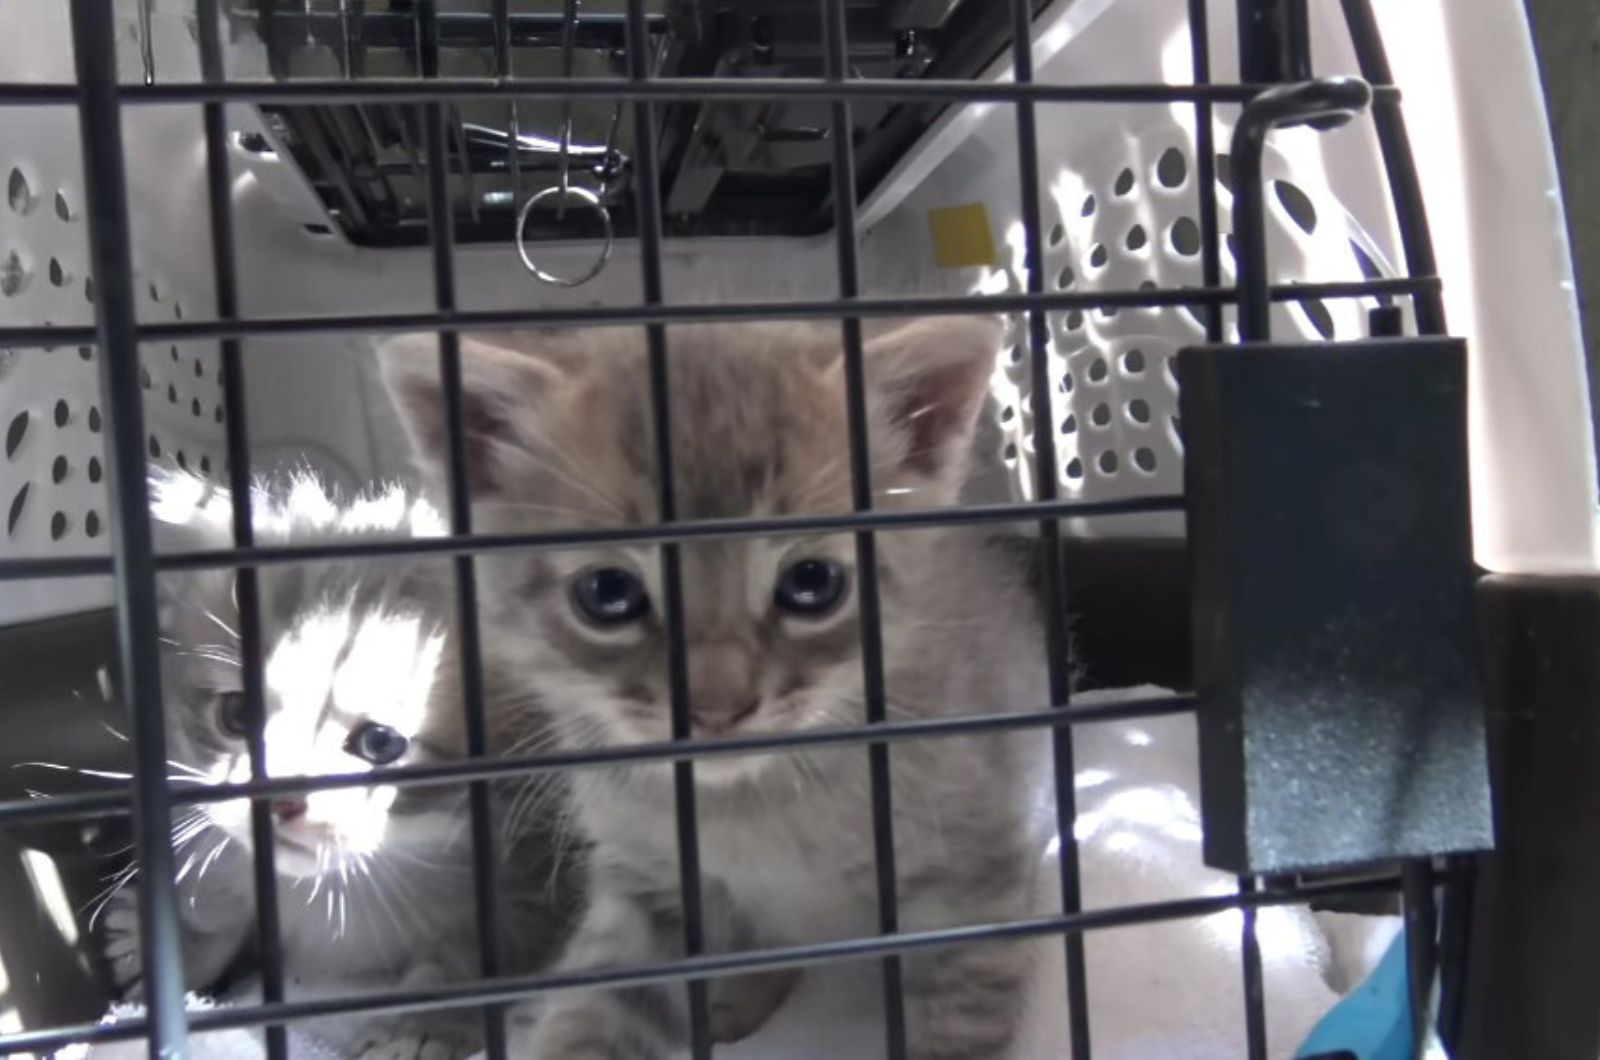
(501, 392)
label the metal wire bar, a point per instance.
(96, 805)
(1399, 164)
(668, 89)
(702, 968)
(1255, 1009)
(1205, 149)
(1422, 950)
(654, 534)
(1046, 488)
(648, 189)
(874, 694)
(246, 585)
(441, 238)
(828, 308)
(111, 254)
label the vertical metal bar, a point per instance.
(872, 676)
(1046, 489)
(441, 238)
(105, 184)
(1255, 1008)
(1421, 926)
(649, 205)
(1205, 149)
(269, 940)
(503, 68)
(1398, 163)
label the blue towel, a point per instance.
(1374, 1021)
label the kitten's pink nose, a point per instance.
(721, 686)
(286, 810)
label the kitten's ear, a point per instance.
(501, 391)
(926, 382)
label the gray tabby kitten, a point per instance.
(559, 435)
(375, 883)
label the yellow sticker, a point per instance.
(961, 236)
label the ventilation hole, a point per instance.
(18, 192)
(1074, 319)
(1172, 169)
(1015, 354)
(91, 524)
(144, 377)
(88, 289)
(1098, 370)
(174, 352)
(1177, 427)
(1100, 416)
(172, 394)
(1066, 383)
(58, 526)
(1144, 458)
(62, 413)
(15, 432)
(1057, 234)
(14, 275)
(1107, 462)
(1196, 315)
(205, 464)
(1124, 183)
(63, 207)
(1297, 204)
(155, 448)
(1088, 206)
(1008, 414)
(1133, 362)
(1066, 279)
(1136, 238)
(1010, 451)
(217, 416)
(1186, 237)
(199, 369)
(86, 353)
(1069, 425)
(58, 275)
(1075, 468)
(1232, 245)
(155, 292)
(1109, 312)
(19, 500)
(1098, 256)
(94, 469)
(183, 461)
(94, 419)
(194, 407)
(1139, 411)
(177, 310)
(322, 231)
(1225, 172)
(1317, 312)
(58, 470)
(1369, 269)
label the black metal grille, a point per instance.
(426, 105)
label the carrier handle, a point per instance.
(1323, 104)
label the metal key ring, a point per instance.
(585, 196)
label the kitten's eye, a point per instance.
(230, 715)
(810, 587)
(376, 743)
(610, 596)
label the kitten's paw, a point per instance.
(583, 1034)
(742, 1004)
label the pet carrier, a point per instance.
(214, 207)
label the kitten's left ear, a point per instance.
(926, 382)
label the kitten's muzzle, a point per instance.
(722, 690)
(287, 810)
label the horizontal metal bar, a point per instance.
(826, 308)
(86, 805)
(676, 89)
(651, 534)
(510, 988)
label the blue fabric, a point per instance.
(1374, 1021)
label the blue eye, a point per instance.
(810, 587)
(610, 596)
(376, 743)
